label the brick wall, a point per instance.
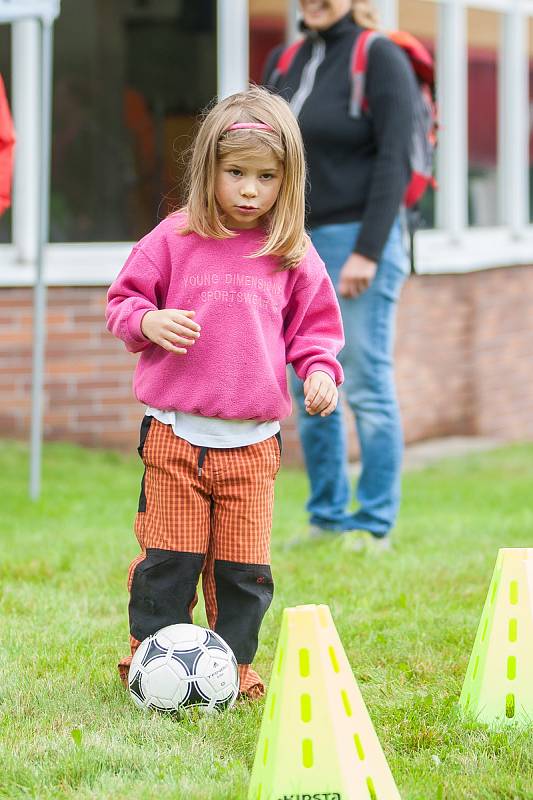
(464, 346)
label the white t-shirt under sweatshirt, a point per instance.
(213, 431)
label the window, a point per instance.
(126, 95)
(5, 72)
(530, 131)
(268, 25)
(483, 50)
(420, 18)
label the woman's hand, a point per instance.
(321, 395)
(170, 328)
(357, 274)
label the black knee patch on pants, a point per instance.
(162, 590)
(244, 593)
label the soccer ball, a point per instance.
(183, 665)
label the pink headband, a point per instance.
(254, 126)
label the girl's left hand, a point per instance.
(321, 395)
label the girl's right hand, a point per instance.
(171, 328)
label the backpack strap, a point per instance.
(285, 59)
(419, 56)
(358, 67)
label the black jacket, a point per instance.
(358, 168)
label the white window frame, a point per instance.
(452, 247)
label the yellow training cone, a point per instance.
(316, 740)
(498, 686)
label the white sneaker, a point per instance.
(316, 532)
(313, 534)
(364, 541)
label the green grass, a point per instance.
(407, 622)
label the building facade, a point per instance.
(126, 98)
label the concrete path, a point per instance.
(423, 454)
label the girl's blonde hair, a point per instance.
(286, 235)
(365, 14)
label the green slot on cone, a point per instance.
(498, 687)
(316, 740)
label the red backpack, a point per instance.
(424, 139)
(7, 141)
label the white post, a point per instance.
(39, 289)
(292, 31)
(388, 14)
(452, 153)
(513, 123)
(232, 46)
(26, 69)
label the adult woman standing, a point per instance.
(358, 170)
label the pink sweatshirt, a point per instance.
(254, 320)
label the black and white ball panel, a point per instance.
(153, 650)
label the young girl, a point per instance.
(218, 298)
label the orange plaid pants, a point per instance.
(204, 511)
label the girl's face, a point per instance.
(322, 14)
(246, 188)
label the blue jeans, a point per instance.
(367, 360)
